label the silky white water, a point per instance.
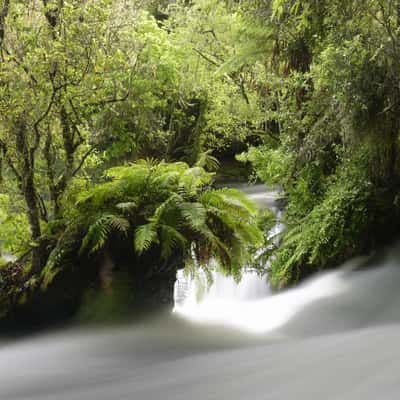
(333, 338)
(235, 303)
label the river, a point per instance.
(335, 338)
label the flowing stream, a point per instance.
(335, 337)
(226, 301)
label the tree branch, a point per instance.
(3, 146)
(38, 122)
(82, 162)
(3, 16)
(239, 83)
(42, 208)
(207, 58)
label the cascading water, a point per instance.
(222, 302)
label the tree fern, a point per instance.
(169, 208)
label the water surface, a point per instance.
(335, 338)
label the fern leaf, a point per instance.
(194, 214)
(96, 236)
(207, 161)
(120, 225)
(171, 239)
(145, 236)
(100, 231)
(249, 234)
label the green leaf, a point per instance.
(145, 236)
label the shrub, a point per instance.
(163, 209)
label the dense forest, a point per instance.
(120, 122)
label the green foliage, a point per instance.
(207, 161)
(101, 229)
(145, 236)
(102, 82)
(167, 210)
(14, 231)
(332, 111)
(335, 229)
(270, 164)
(308, 90)
(209, 31)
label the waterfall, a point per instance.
(197, 302)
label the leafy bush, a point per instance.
(164, 210)
(270, 165)
(335, 229)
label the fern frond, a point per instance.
(170, 240)
(194, 215)
(169, 208)
(145, 236)
(249, 234)
(166, 180)
(96, 236)
(100, 231)
(207, 161)
(120, 225)
(237, 198)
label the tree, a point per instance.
(61, 62)
(209, 31)
(333, 95)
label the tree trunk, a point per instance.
(34, 221)
(28, 189)
(3, 15)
